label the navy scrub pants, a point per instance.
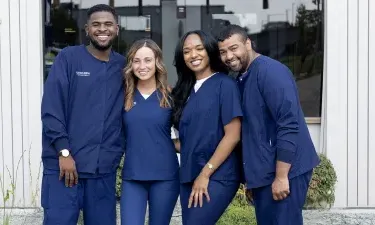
(284, 212)
(161, 197)
(221, 195)
(95, 196)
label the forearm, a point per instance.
(223, 150)
(282, 169)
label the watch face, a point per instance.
(65, 153)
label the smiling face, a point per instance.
(102, 29)
(234, 52)
(195, 55)
(144, 64)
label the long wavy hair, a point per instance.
(186, 77)
(130, 80)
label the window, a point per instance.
(290, 31)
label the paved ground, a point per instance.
(311, 217)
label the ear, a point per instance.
(248, 45)
(87, 29)
(117, 29)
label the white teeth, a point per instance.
(102, 37)
(143, 73)
(233, 63)
(196, 62)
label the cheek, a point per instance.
(135, 67)
(186, 58)
(152, 68)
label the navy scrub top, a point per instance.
(273, 125)
(81, 111)
(201, 127)
(150, 152)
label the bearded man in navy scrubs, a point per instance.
(278, 153)
(82, 127)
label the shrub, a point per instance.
(239, 212)
(119, 179)
(321, 193)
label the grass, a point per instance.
(9, 193)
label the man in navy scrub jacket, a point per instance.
(82, 127)
(278, 154)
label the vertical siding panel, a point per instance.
(25, 101)
(16, 102)
(34, 72)
(371, 60)
(6, 95)
(336, 120)
(352, 102)
(363, 103)
(2, 160)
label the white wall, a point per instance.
(20, 93)
(350, 104)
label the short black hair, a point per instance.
(101, 8)
(231, 29)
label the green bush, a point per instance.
(321, 193)
(119, 179)
(239, 211)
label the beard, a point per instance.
(99, 47)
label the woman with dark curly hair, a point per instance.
(206, 112)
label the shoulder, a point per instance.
(271, 70)
(225, 80)
(71, 51)
(119, 58)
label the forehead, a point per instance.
(144, 52)
(192, 40)
(102, 17)
(232, 40)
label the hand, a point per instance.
(249, 196)
(200, 188)
(68, 169)
(280, 188)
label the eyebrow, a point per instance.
(200, 45)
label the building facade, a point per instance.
(328, 45)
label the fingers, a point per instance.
(207, 196)
(196, 197)
(200, 199)
(71, 179)
(191, 198)
(280, 195)
(62, 172)
(75, 177)
(67, 178)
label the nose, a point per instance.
(142, 65)
(102, 27)
(193, 54)
(229, 55)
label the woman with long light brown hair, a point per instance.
(150, 172)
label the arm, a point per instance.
(230, 113)
(226, 146)
(281, 97)
(54, 104)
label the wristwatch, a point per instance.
(64, 153)
(210, 166)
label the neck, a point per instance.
(147, 86)
(252, 56)
(101, 55)
(203, 74)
